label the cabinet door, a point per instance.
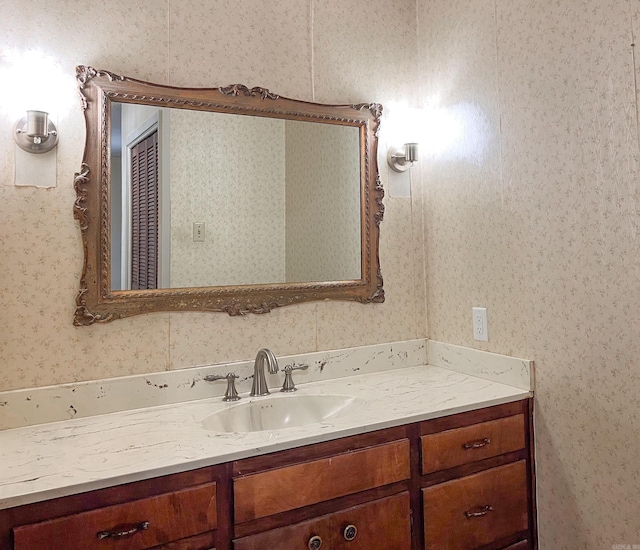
(460, 446)
(135, 525)
(476, 510)
(384, 523)
(282, 489)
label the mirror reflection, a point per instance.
(202, 199)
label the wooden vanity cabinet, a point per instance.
(383, 523)
(477, 480)
(463, 482)
(478, 509)
(350, 493)
(176, 512)
(277, 490)
(135, 525)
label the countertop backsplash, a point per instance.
(41, 405)
(32, 406)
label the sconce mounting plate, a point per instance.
(395, 159)
(30, 144)
(402, 158)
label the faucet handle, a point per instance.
(288, 385)
(231, 394)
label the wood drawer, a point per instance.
(383, 523)
(457, 514)
(274, 491)
(171, 516)
(459, 446)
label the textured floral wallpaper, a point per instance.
(241, 202)
(324, 55)
(525, 201)
(532, 208)
(323, 202)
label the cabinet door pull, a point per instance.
(120, 534)
(478, 511)
(350, 532)
(477, 444)
(315, 543)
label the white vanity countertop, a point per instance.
(73, 456)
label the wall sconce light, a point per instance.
(402, 158)
(35, 133)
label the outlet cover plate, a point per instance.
(480, 328)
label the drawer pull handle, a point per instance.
(477, 444)
(350, 532)
(120, 534)
(315, 543)
(478, 511)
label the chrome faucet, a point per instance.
(259, 382)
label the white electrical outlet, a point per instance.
(480, 328)
(198, 232)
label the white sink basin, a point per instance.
(279, 412)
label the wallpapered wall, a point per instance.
(323, 202)
(242, 203)
(194, 43)
(533, 211)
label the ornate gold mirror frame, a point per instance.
(97, 302)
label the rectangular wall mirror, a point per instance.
(223, 199)
(240, 200)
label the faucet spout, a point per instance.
(263, 357)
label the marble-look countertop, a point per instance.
(67, 457)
